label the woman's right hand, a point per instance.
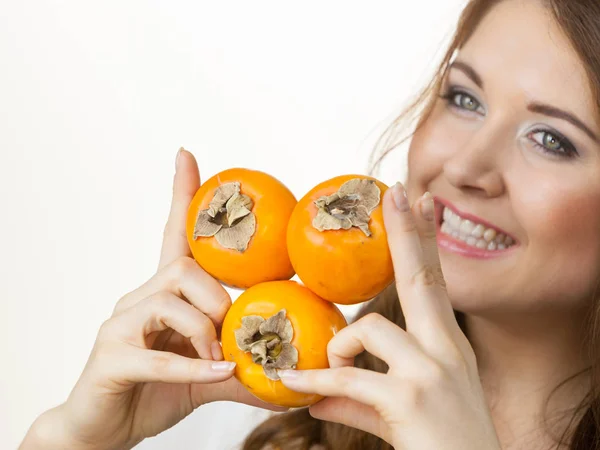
(157, 358)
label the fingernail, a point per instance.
(399, 196)
(427, 206)
(223, 366)
(178, 157)
(215, 350)
(288, 374)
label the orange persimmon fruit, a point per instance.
(278, 325)
(337, 241)
(236, 227)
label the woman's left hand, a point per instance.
(431, 397)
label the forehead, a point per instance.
(519, 48)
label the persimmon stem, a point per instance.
(229, 218)
(269, 342)
(351, 206)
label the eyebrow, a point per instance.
(551, 111)
(468, 71)
(535, 107)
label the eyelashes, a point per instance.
(552, 142)
(548, 141)
(462, 100)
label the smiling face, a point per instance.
(513, 146)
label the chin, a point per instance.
(475, 299)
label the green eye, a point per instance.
(466, 102)
(462, 100)
(551, 142)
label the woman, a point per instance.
(500, 352)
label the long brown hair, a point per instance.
(297, 430)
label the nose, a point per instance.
(475, 167)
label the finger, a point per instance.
(424, 302)
(161, 311)
(424, 213)
(185, 185)
(144, 366)
(185, 278)
(364, 386)
(351, 413)
(230, 390)
(379, 337)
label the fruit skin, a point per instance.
(341, 266)
(314, 320)
(266, 258)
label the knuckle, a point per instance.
(159, 307)
(408, 225)
(457, 363)
(172, 229)
(204, 327)
(429, 232)
(121, 304)
(159, 301)
(423, 276)
(432, 376)
(372, 320)
(106, 329)
(102, 353)
(415, 390)
(160, 363)
(182, 266)
(224, 303)
(412, 395)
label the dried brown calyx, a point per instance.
(269, 342)
(351, 206)
(229, 218)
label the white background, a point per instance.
(95, 100)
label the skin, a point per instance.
(524, 310)
(145, 357)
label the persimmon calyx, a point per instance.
(351, 206)
(269, 342)
(229, 218)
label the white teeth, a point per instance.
(446, 228)
(474, 234)
(481, 244)
(466, 226)
(447, 214)
(454, 221)
(478, 231)
(489, 234)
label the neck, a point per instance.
(521, 363)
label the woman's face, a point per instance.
(514, 147)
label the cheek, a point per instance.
(562, 231)
(556, 212)
(431, 146)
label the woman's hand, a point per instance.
(431, 397)
(157, 358)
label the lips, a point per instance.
(441, 203)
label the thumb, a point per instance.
(185, 184)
